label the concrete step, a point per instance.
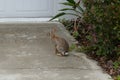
(27, 53)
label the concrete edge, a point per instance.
(29, 22)
(24, 20)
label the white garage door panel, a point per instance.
(2, 5)
(26, 8)
(33, 5)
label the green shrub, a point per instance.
(104, 15)
(118, 77)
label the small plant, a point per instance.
(72, 47)
(75, 34)
(116, 65)
(72, 6)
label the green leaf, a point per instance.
(80, 8)
(58, 15)
(65, 9)
(76, 34)
(89, 37)
(116, 65)
(72, 47)
(67, 4)
(73, 14)
(71, 1)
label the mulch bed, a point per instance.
(106, 64)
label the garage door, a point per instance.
(26, 8)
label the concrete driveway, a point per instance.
(27, 53)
